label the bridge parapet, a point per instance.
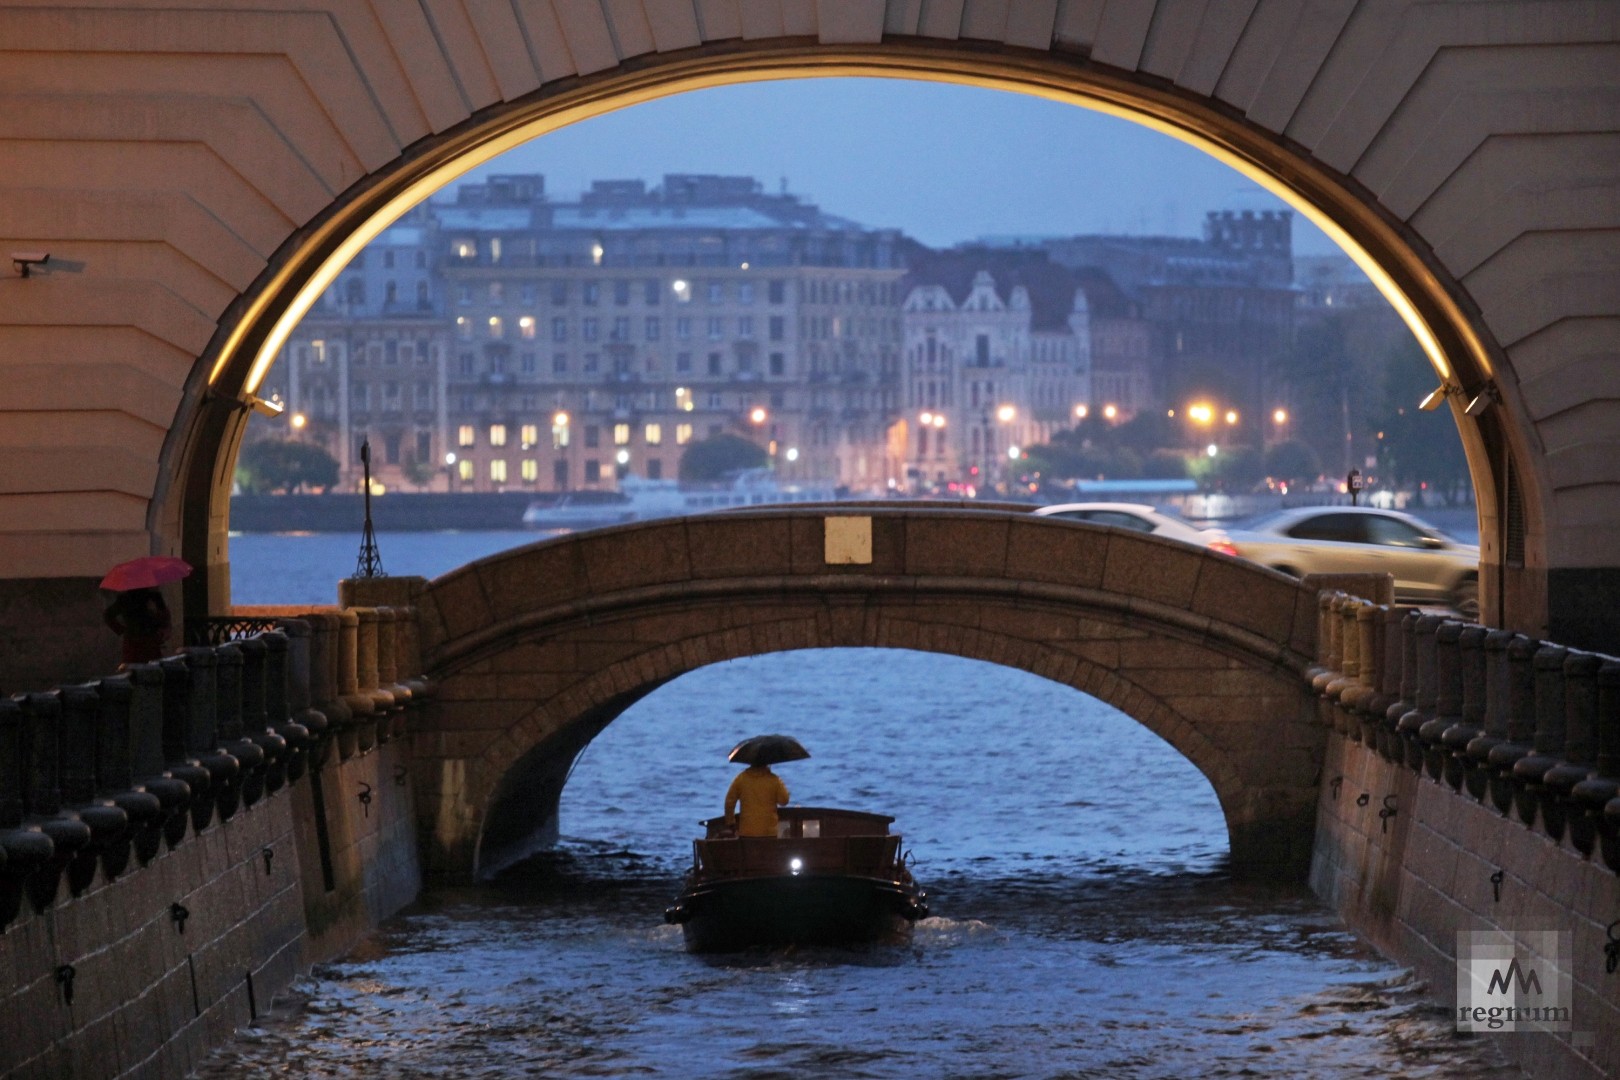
(1531, 727)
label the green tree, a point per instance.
(1293, 462)
(1417, 451)
(720, 456)
(272, 465)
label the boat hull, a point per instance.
(808, 909)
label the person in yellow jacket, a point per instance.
(760, 792)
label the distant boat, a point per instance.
(639, 499)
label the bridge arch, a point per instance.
(206, 168)
(534, 651)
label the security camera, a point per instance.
(25, 260)
(1484, 400)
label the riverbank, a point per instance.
(394, 512)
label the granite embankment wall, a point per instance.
(397, 511)
(178, 841)
(1470, 784)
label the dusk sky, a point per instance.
(943, 163)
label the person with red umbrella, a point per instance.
(138, 614)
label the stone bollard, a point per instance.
(1324, 635)
(256, 719)
(228, 666)
(1496, 689)
(305, 727)
(25, 850)
(1601, 794)
(1530, 770)
(152, 805)
(1333, 624)
(42, 796)
(1580, 751)
(1426, 693)
(1455, 739)
(146, 749)
(1521, 722)
(108, 822)
(1447, 696)
(1396, 673)
(202, 736)
(361, 705)
(282, 730)
(1361, 698)
(177, 759)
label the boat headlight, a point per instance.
(795, 865)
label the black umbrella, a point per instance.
(768, 750)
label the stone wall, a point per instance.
(178, 841)
(1470, 784)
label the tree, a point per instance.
(272, 465)
(1293, 462)
(420, 473)
(1417, 450)
(720, 456)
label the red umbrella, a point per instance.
(147, 572)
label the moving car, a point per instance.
(1141, 518)
(1428, 566)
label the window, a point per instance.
(463, 295)
(714, 399)
(714, 363)
(590, 363)
(422, 300)
(776, 291)
(559, 293)
(390, 292)
(527, 363)
(683, 434)
(559, 363)
(388, 260)
(683, 361)
(463, 328)
(717, 292)
(589, 328)
(655, 469)
(497, 328)
(653, 434)
(465, 249)
(1337, 528)
(559, 474)
(651, 291)
(717, 327)
(745, 292)
(593, 436)
(778, 328)
(466, 363)
(424, 396)
(652, 328)
(497, 435)
(621, 328)
(593, 470)
(528, 435)
(745, 326)
(683, 328)
(981, 350)
(778, 364)
(465, 468)
(526, 328)
(621, 434)
(421, 260)
(530, 292)
(592, 293)
(466, 436)
(530, 469)
(362, 397)
(497, 294)
(494, 249)
(497, 471)
(559, 328)
(424, 444)
(621, 293)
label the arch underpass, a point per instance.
(198, 171)
(534, 651)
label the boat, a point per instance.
(640, 499)
(829, 877)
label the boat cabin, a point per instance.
(809, 840)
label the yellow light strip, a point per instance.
(462, 155)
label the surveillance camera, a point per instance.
(25, 260)
(1482, 401)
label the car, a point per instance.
(1140, 518)
(1428, 566)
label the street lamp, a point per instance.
(1082, 411)
(757, 415)
(450, 472)
(1110, 413)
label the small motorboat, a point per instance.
(829, 877)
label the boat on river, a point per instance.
(640, 499)
(829, 877)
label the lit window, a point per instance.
(465, 466)
(621, 434)
(466, 249)
(526, 327)
(683, 434)
(531, 470)
(497, 329)
(497, 434)
(463, 328)
(529, 434)
(317, 349)
(589, 329)
(682, 290)
(465, 436)
(497, 471)
(653, 434)
(494, 256)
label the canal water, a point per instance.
(1083, 921)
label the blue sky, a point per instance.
(944, 163)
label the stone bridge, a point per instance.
(536, 650)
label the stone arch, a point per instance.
(1460, 145)
(536, 650)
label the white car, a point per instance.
(1142, 519)
(1428, 566)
